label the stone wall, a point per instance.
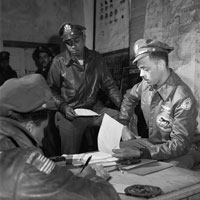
(177, 23)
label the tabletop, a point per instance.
(175, 182)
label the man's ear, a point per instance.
(161, 63)
(30, 126)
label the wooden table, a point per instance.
(176, 183)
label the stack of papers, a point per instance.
(99, 158)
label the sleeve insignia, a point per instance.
(40, 162)
(186, 104)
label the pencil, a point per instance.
(86, 163)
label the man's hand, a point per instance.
(100, 171)
(126, 153)
(92, 171)
(127, 134)
(69, 113)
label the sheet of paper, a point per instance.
(150, 168)
(85, 112)
(109, 134)
(143, 162)
(100, 158)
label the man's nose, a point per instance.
(141, 73)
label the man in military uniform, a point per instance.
(6, 72)
(43, 58)
(75, 77)
(25, 173)
(168, 105)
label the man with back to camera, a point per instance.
(168, 105)
(43, 59)
(6, 71)
(75, 77)
(25, 173)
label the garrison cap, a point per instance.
(144, 47)
(40, 49)
(25, 95)
(68, 31)
(4, 55)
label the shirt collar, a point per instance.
(166, 89)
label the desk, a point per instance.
(176, 183)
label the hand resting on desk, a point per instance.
(92, 171)
(126, 153)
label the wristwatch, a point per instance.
(144, 153)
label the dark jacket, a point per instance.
(77, 85)
(43, 71)
(171, 106)
(26, 174)
(6, 74)
(13, 135)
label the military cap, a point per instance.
(24, 95)
(144, 47)
(4, 55)
(40, 49)
(68, 31)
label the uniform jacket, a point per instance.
(6, 74)
(77, 85)
(13, 135)
(28, 175)
(25, 174)
(171, 106)
(43, 71)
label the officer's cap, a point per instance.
(68, 31)
(40, 49)
(25, 95)
(144, 47)
(4, 55)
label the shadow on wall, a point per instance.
(58, 47)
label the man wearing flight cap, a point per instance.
(25, 173)
(168, 106)
(75, 77)
(43, 58)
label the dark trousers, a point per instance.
(71, 132)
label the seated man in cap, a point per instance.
(75, 77)
(6, 72)
(168, 105)
(23, 117)
(43, 58)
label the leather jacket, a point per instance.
(6, 74)
(77, 85)
(13, 135)
(170, 113)
(25, 174)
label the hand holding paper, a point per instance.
(109, 134)
(85, 112)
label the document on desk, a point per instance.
(109, 135)
(85, 112)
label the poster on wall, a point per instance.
(112, 25)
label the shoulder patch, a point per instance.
(40, 162)
(186, 104)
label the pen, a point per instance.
(86, 163)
